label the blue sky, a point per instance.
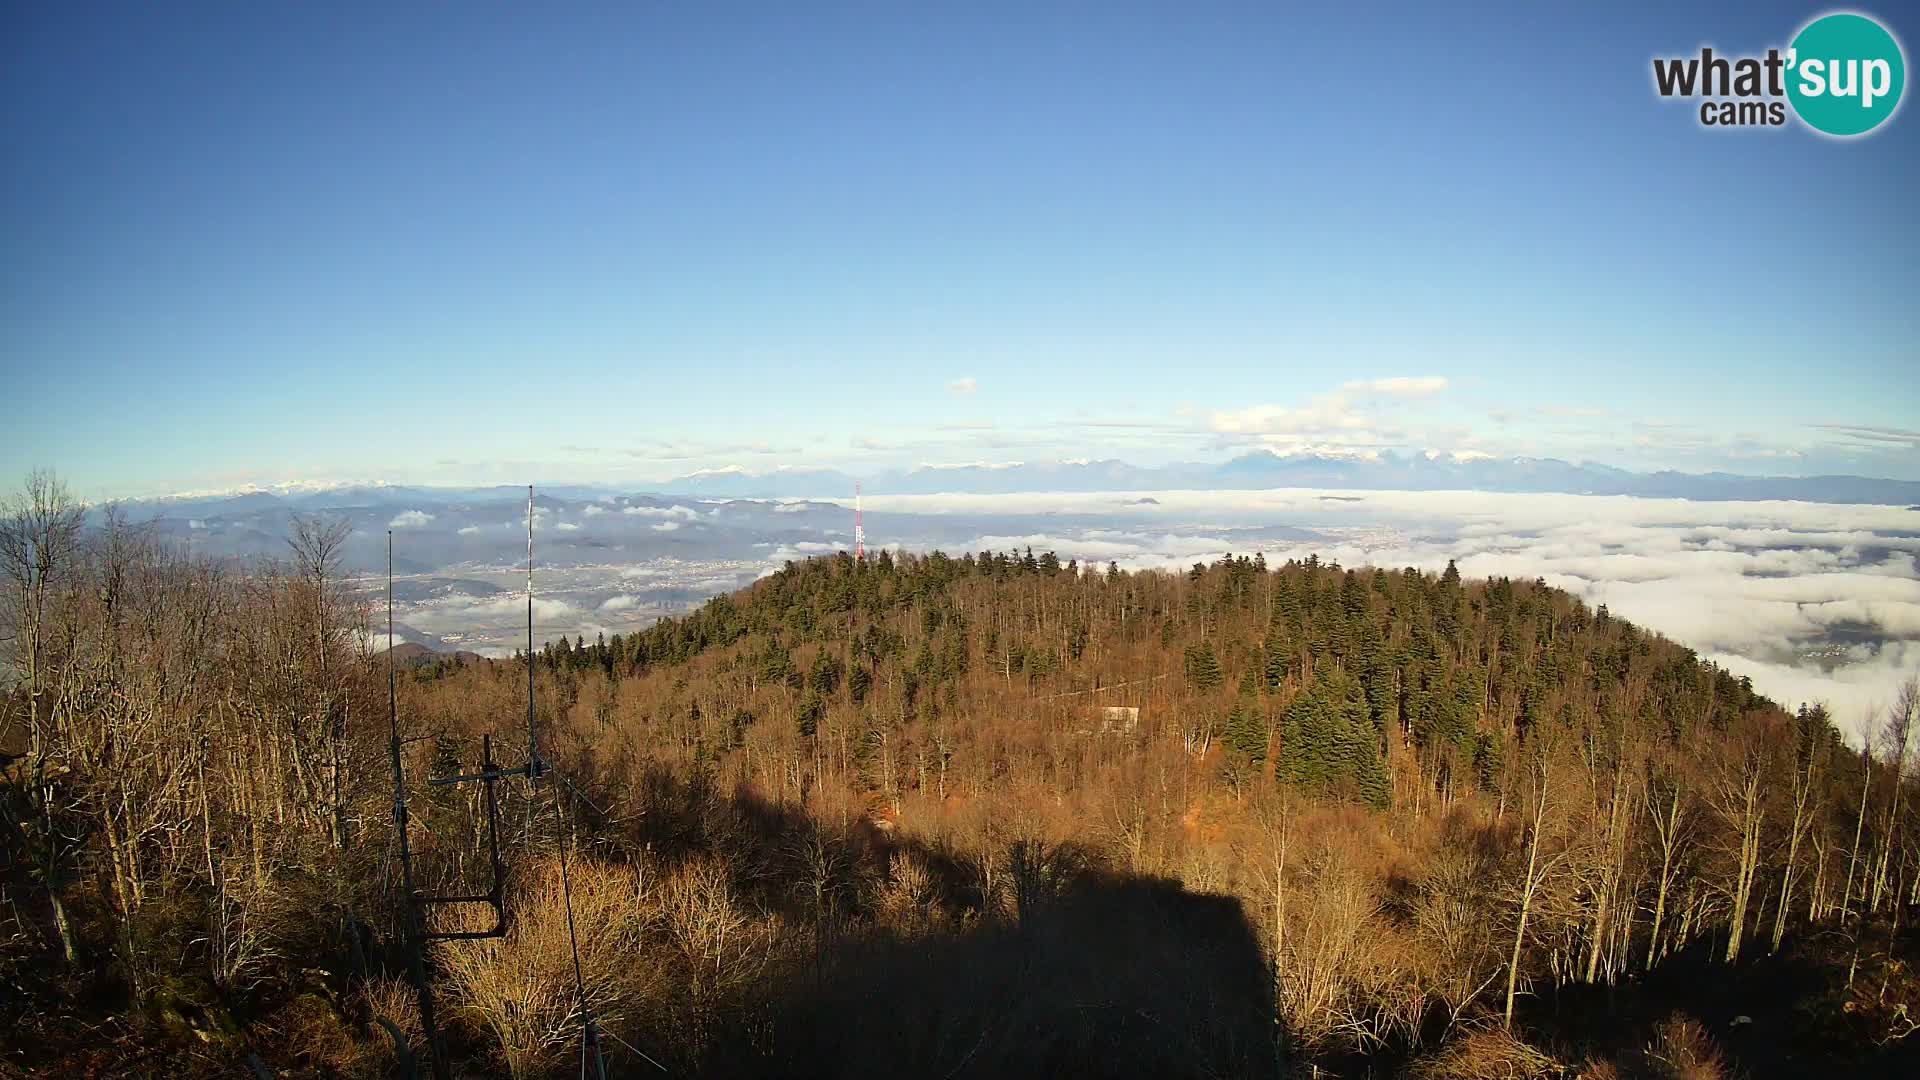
(431, 245)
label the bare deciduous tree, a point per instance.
(39, 538)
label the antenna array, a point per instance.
(490, 775)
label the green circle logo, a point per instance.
(1845, 73)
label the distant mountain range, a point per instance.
(1385, 471)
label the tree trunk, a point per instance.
(1859, 826)
(1749, 865)
(1669, 841)
(1529, 886)
(1616, 857)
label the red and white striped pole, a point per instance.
(859, 527)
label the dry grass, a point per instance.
(909, 896)
(309, 1025)
(391, 1007)
(520, 990)
(1489, 1053)
(1682, 1050)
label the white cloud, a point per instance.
(1906, 438)
(1350, 416)
(593, 510)
(1856, 694)
(410, 519)
(1329, 412)
(802, 549)
(678, 513)
(469, 530)
(963, 387)
(623, 602)
(1356, 419)
(1404, 386)
(666, 526)
(945, 465)
(567, 526)
(462, 614)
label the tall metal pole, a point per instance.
(533, 742)
(416, 961)
(590, 1049)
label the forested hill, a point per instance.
(928, 816)
(1357, 682)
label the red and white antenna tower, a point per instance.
(859, 527)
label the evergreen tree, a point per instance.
(1247, 731)
(1369, 772)
(1203, 668)
(1307, 739)
(1446, 605)
(824, 679)
(775, 666)
(807, 717)
(1276, 664)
